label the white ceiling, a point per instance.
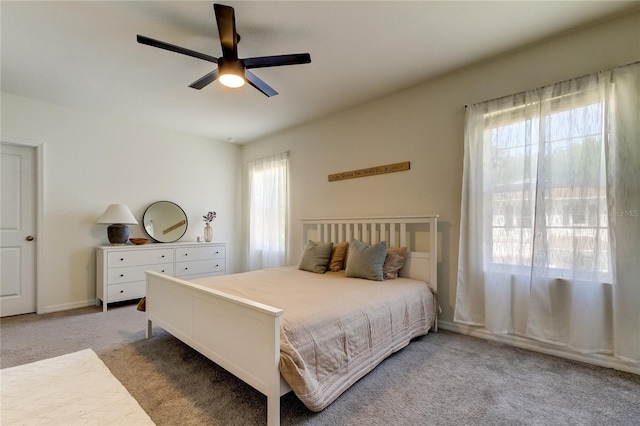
(85, 54)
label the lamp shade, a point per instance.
(117, 213)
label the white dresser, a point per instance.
(120, 270)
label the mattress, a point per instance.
(334, 329)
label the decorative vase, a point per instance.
(208, 233)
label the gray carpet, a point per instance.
(439, 379)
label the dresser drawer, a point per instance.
(220, 252)
(126, 291)
(118, 259)
(187, 254)
(199, 267)
(136, 273)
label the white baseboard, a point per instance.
(67, 306)
(545, 348)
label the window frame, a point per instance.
(514, 115)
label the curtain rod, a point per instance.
(544, 87)
(269, 156)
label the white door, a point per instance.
(18, 226)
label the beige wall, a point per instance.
(91, 161)
(425, 125)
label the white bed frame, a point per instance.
(243, 336)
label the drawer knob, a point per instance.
(122, 258)
(163, 255)
(217, 252)
(162, 270)
(186, 269)
(121, 291)
(122, 275)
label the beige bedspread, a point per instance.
(334, 329)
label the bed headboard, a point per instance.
(417, 233)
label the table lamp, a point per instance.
(118, 216)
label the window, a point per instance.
(549, 166)
(268, 211)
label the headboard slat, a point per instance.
(383, 233)
(392, 234)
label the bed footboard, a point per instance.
(240, 335)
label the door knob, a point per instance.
(29, 238)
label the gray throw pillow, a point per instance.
(315, 257)
(366, 261)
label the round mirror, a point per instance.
(165, 221)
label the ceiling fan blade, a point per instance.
(253, 80)
(166, 46)
(225, 17)
(204, 81)
(276, 61)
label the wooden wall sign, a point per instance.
(379, 170)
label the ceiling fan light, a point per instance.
(232, 80)
(231, 72)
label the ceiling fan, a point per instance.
(232, 71)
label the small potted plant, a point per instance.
(208, 230)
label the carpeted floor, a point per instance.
(439, 379)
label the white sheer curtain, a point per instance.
(268, 211)
(550, 223)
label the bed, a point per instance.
(281, 339)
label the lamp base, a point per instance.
(118, 234)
